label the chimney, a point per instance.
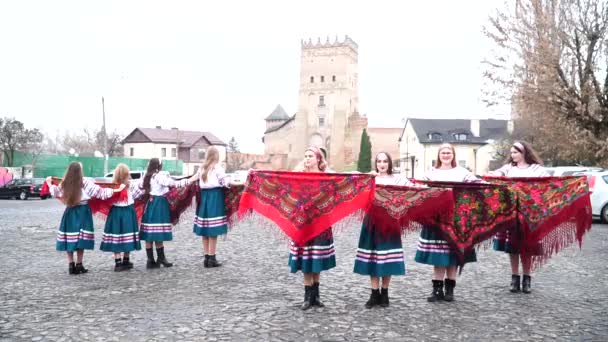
(158, 127)
(475, 127)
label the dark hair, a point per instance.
(324, 151)
(71, 185)
(153, 167)
(530, 155)
(390, 162)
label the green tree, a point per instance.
(233, 146)
(364, 164)
(15, 137)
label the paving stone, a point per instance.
(254, 297)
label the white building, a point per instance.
(171, 144)
(473, 140)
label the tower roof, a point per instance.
(278, 114)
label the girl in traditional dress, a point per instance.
(380, 256)
(523, 162)
(156, 222)
(318, 254)
(121, 233)
(75, 231)
(432, 249)
(211, 221)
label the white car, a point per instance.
(239, 175)
(598, 184)
(559, 171)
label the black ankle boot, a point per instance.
(212, 262)
(437, 294)
(126, 263)
(80, 269)
(151, 263)
(515, 283)
(316, 298)
(384, 297)
(374, 299)
(206, 262)
(118, 265)
(72, 268)
(307, 295)
(527, 284)
(161, 257)
(449, 290)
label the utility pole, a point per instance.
(177, 149)
(105, 138)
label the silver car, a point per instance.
(598, 184)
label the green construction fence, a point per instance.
(55, 164)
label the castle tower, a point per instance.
(328, 96)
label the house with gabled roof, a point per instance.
(474, 141)
(172, 144)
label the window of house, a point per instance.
(435, 136)
(201, 153)
(173, 152)
(131, 151)
(312, 79)
(460, 136)
(462, 163)
(163, 152)
(321, 101)
(333, 78)
(322, 79)
(321, 121)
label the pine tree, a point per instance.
(233, 146)
(364, 164)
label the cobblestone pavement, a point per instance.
(254, 297)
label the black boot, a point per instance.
(80, 269)
(212, 262)
(437, 294)
(206, 262)
(151, 263)
(307, 295)
(72, 268)
(515, 283)
(126, 263)
(527, 284)
(449, 290)
(161, 257)
(384, 298)
(118, 265)
(316, 298)
(374, 299)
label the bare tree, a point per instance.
(549, 58)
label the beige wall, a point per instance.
(384, 140)
(149, 150)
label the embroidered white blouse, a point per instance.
(533, 170)
(89, 190)
(457, 174)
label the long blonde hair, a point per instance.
(121, 174)
(211, 159)
(71, 185)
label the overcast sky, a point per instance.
(223, 66)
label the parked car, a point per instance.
(23, 188)
(240, 175)
(135, 174)
(559, 171)
(598, 184)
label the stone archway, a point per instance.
(316, 139)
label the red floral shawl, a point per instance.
(396, 209)
(480, 211)
(98, 206)
(302, 204)
(552, 212)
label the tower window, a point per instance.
(333, 78)
(321, 101)
(322, 79)
(312, 79)
(321, 121)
